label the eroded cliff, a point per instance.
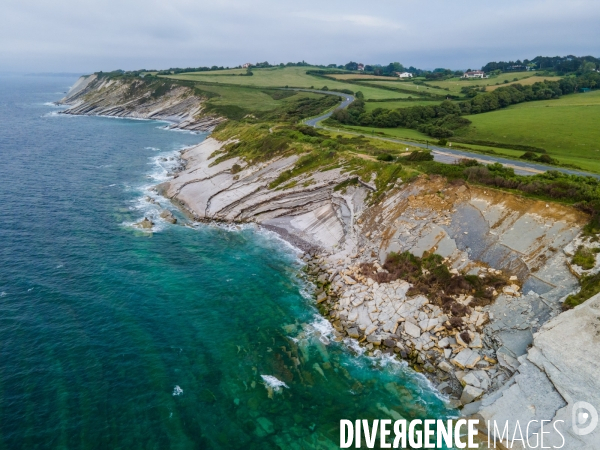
(139, 98)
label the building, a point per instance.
(361, 67)
(246, 65)
(404, 74)
(475, 74)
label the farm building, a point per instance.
(475, 74)
(361, 67)
(246, 65)
(404, 74)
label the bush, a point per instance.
(584, 258)
(385, 157)
(590, 286)
(419, 155)
(443, 142)
(431, 277)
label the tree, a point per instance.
(588, 67)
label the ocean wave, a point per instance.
(177, 391)
(273, 383)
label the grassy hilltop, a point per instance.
(563, 128)
(496, 115)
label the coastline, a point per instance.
(477, 376)
(339, 231)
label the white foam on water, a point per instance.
(353, 345)
(2, 294)
(320, 325)
(273, 383)
(177, 391)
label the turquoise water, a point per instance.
(115, 338)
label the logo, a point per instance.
(584, 418)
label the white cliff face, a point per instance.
(559, 370)
(134, 98)
(310, 213)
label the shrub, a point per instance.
(584, 258)
(385, 157)
(590, 286)
(419, 155)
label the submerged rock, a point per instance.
(168, 216)
(146, 223)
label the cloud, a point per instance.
(87, 35)
(353, 20)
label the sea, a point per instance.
(188, 336)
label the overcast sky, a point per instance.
(87, 36)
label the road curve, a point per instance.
(444, 154)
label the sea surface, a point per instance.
(188, 337)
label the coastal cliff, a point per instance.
(138, 98)
(479, 232)
(494, 346)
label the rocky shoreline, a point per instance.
(487, 350)
(95, 96)
(477, 232)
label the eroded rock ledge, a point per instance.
(97, 96)
(477, 231)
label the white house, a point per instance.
(475, 74)
(361, 67)
(246, 65)
(404, 74)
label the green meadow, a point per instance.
(567, 128)
(370, 106)
(280, 77)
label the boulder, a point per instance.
(412, 330)
(168, 216)
(446, 366)
(353, 333)
(370, 329)
(467, 358)
(374, 339)
(471, 379)
(146, 223)
(470, 394)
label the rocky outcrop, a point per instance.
(310, 212)
(558, 372)
(138, 98)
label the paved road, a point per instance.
(445, 154)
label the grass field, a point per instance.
(407, 85)
(456, 84)
(359, 77)
(250, 99)
(280, 77)
(524, 82)
(396, 133)
(567, 128)
(370, 106)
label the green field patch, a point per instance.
(370, 106)
(282, 77)
(566, 127)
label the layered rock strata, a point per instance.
(476, 231)
(97, 96)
